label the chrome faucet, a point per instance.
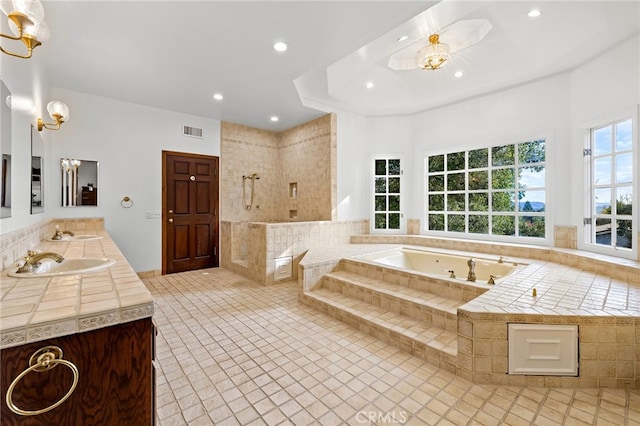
(59, 234)
(471, 276)
(32, 260)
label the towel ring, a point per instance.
(126, 202)
(43, 359)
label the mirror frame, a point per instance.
(37, 172)
(5, 151)
(78, 184)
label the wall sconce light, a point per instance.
(59, 112)
(26, 21)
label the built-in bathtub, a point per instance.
(554, 286)
(444, 264)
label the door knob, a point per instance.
(170, 220)
(170, 211)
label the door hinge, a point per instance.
(215, 251)
(586, 221)
(586, 152)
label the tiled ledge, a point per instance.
(35, 309)
(615, 267)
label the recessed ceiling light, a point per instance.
(274, 118)
(280, 46)
(218, 96)
(369, 84)
(534, 13)
(458, 74)
(403, 38)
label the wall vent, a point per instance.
(192, 132)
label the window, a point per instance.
(611, 166)
(386, 194)
(489, 191)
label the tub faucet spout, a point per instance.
(32, 260)
(471, 276)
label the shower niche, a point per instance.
(293, 189)
(293, 195)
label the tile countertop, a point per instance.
(35, 309)
(559, 290)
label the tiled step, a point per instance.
(418, 304)
(431, 343)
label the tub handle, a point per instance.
(43, 359)
(451, 273)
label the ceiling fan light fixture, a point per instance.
(435, 55)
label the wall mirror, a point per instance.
(79, 182)
(5, 149)
(37, 175)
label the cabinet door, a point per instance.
(115, 383)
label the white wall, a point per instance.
(127, 140)
(352, 176)
(602, 90)
(27, 80)
(528, 112)
(552, 108)
(359, 141)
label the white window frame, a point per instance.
(585, 229)
(548, 213)
(403, 190)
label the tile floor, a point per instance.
(232, 352)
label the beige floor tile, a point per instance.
(232, 352)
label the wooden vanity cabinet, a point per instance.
(116, 384)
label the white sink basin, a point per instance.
(50, 268)
(66, 238)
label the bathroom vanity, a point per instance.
(77, 349)
(115, 378)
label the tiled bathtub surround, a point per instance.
(250, 248)
(565, 237)
(615, 267)
(34, 309)
(599, 294)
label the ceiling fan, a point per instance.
(435, 52)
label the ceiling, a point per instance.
(175, 55)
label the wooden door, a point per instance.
(189, 212)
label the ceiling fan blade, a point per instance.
(458, 36)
